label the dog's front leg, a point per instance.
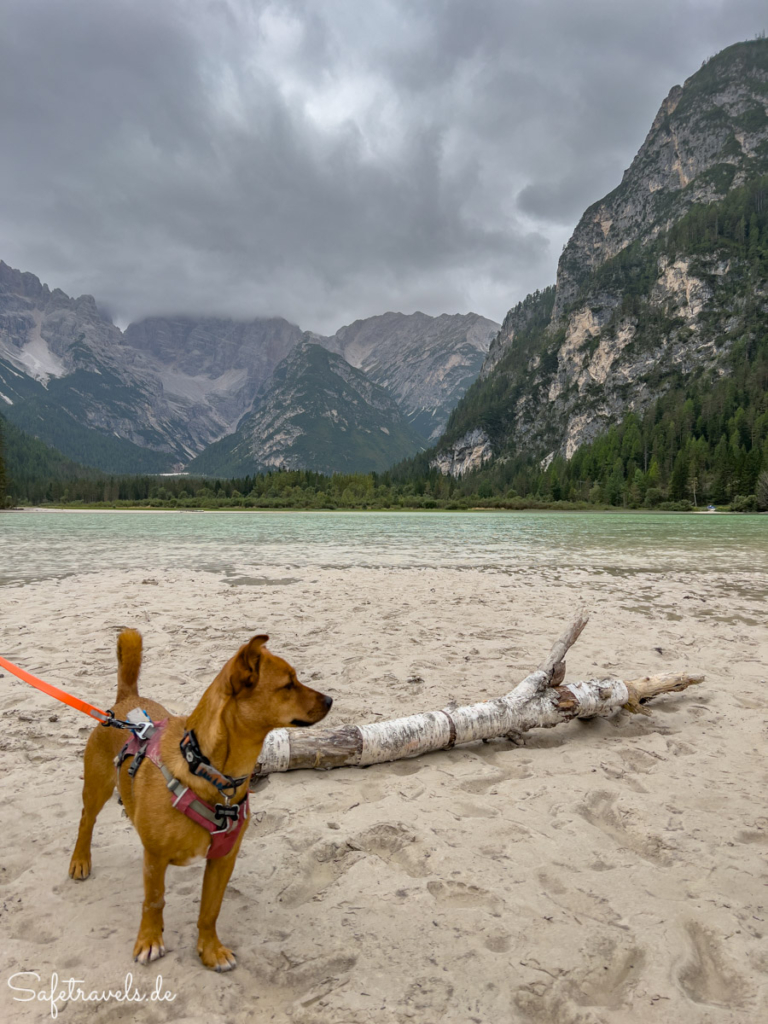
(149, 944)
(217, 875)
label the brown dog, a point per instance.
(254, 693)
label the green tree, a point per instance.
(3, 481)
(678, 484)
(761, 491)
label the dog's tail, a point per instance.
(128, 663)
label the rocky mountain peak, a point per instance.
(667, 108)
(659, 282)
(156, 396)
(317, 412)
(708, 137)
(426, 362)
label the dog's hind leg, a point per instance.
(149, 942)
(217, 875)
(98, 784)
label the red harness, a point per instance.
(223, 821)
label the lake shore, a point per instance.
(429, 511)
(604, 871)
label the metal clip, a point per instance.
(140, 722)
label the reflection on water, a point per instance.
(248, 545)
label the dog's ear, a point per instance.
(246, 668)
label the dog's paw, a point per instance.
(217, 957)
(147, 950)
(79, 868)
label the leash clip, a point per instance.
(140, 723)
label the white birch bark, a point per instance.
(536, 702)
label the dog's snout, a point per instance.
(328, 701)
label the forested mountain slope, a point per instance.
(316, 412)
(661, 292)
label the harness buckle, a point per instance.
(201, 766)
(138, 757)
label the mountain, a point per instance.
(427, 363)
(153, 398)
(657, 288)
(27, 458)
(316, 412)
(63, 380)
(144, 401)
(210, 367)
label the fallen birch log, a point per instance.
(539, 701)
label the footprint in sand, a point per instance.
(481, 783)
(316, 869)
(392, 842)
(535, 1002)
(187, 890)
(464, 809)
(497, 942)
(13, 869)
(460, 894)
(637, 760)
(612, 972)
(753, 837)
(324, 862)
(293, 972)
(707, 976)
(579, 902)
(430, 996)
(34, 929)
(271, 822)
(371, 792)
(552, 885)
(679, 749)
(599, 810)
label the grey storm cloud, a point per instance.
(325, 160)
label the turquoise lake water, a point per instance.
(40, 545)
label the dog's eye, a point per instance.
(289, 686)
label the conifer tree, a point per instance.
(2, 468)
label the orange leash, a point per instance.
(53, 691)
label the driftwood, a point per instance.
(538, 701)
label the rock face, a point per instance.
(467, 453)
(63, 378)
(641, 300)
(210, 368)
(146, 400)
(155, 397)
(427, 363)
(707, 138)
(316, 412)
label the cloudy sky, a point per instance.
(325, 160)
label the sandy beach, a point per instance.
(604, 871)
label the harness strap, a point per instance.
(223, 821)
(199, 764)
(202, 807)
